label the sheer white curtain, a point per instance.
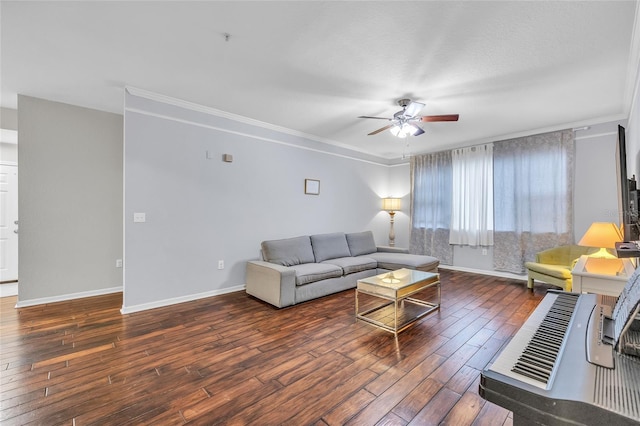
(472, 205)
(533, 197)
(431, 206)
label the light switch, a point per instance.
(139, 217)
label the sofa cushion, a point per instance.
(308, 273)
(361, 243)
(351, 265)
(330, 246)
(557, 271)
(393, 261)
(289, 251)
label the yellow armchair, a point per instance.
(554, 265)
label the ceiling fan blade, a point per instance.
(382, 129)
(377, 118)
(419, 130)
(447, 117)
(412, 109)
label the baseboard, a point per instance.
(176, 300)
(484, 272)
(8, 289)
(65, 297)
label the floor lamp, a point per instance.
(391, 205)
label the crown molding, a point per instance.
(241, 119)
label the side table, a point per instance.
(608, 283)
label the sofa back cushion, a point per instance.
(330, 246)
(361, 243)
(289, 251)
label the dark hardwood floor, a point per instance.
(233, 359)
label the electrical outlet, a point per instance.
(118, 263)
(220, 264)
(484, 251)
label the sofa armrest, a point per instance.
(270, 282)
(389, 249)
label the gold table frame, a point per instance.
(400, 310)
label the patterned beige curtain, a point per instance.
(533, 197)
(431, 180)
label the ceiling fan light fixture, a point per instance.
(403, 130)
(395, 131)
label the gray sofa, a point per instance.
(295, 270)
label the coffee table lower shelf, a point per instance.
(395, 319)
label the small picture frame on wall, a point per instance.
(312, 186)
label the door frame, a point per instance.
(6, 291)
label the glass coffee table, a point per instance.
(395, 300)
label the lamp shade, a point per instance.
(601, 235)
(391, 204)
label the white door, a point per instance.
(8, 223)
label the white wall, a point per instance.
(201, 210)
(70, 201)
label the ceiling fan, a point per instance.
(403, 123)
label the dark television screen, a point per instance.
(628, 216)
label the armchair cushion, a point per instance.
(557, 271)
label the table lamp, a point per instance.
(391, 205)
(602, 235)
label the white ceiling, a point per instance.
(507, 67)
